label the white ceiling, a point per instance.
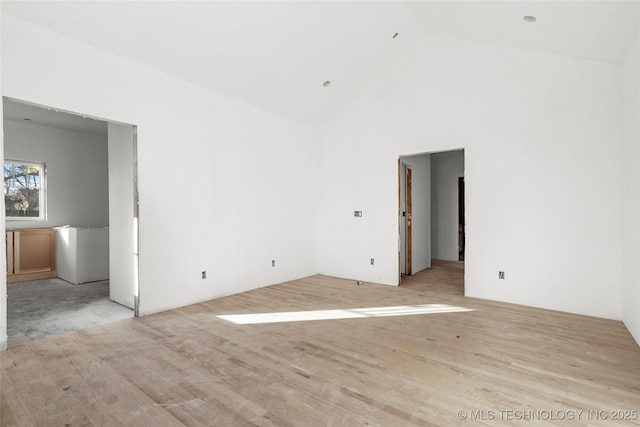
(276, 55)
(19, 111)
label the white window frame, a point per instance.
(42, 195)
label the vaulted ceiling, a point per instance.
(277, 55)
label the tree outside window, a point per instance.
(24, 190)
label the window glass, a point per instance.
(24, 190)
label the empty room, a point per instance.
(343, 213)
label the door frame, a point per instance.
(401, 178)
(404, 211)
(135, 231)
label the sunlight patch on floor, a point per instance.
(353, 313)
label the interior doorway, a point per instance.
(405, 214)
(119, 188)
(431, 211)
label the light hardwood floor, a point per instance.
(190, 367)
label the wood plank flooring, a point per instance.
(497, 363)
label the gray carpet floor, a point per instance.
(43, 308)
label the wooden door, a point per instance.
(409, 217)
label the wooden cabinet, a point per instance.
(31, 254)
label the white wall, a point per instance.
(446, 168)
(421, 215)
(77, 175)
(541, 135)
(224, 186)
(630, 156)
(3, 248)
(122, 261)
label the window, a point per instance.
(24, 190)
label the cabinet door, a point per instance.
(9, 246)
(34, 251)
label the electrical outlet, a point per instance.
(357, 213)
(204, 274)
(501, 275)
(373, 261)
(273, 263)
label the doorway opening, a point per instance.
(406, 212)
(91, 217)
(431, 213)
